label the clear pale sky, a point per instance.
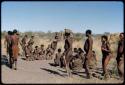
(100, 17)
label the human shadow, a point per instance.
(5, 61)
(75, 73)
(23, 58)
(52, 64)
(52, 72)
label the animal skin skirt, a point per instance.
(15, 50)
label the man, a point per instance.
(15, 48)
(24, 42)
(88, 49)
(36, 53)
(49, 52)
(77, 60)
(31, 40)
(57, 36)
(29, 52)
(75, 54)
(54, 45)
(42, 52)
(68, 50)
(120, 56)
(8, 42)
(106, 53)
(81, 55)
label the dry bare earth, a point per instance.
(41, 71)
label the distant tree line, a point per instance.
(50, 35)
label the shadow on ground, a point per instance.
(52, 64)
(52, 72)
(4, 61)
(75, 73)
(23, 58)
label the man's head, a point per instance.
(67, 32)
(104, 38)
(75, 49)
(42, 46)
(88, 32)
(121, 36)
(8, 32)
(59, 50)
(80, 50)
(32, 37)
(93, 51)
(14, 31)
(11, 33)
(36, 47)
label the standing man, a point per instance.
(88, 49)
(8, 42)
(68, 50)
(120, 56)
(15, 47)
(106, 55)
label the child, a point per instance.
(36, 53)
(57, 58)
(42, 53)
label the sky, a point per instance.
(54, 16)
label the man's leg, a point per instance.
(106, 75)
(121, 69)
(87, 69)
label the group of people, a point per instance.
(38, 53)
(71, 60)
(87, 58)
(77, 60)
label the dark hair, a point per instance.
(75, 49)
(105, 37)
(67, 34)
(42, 45)
(93, 51)
(88, 32)
(14, 31)
(9, 32)
(36, 46)
(80, 49)
(59, 50)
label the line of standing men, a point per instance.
(106, 54)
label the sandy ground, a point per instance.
(40, 71)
